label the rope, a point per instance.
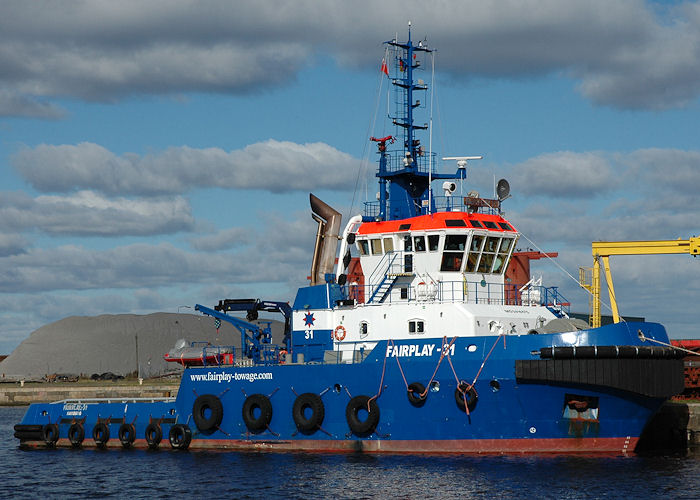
(364, 163)
(445, 349)
(643, 338)
(399, 364)
(607, 306)
(489, 354)
(381, 385)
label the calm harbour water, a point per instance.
(166, 474)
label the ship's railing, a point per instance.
(469, 292)
(461, 203)
(395, 162)
(165, 399)
(454, 203)
(351, 352)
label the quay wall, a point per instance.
(15, 395)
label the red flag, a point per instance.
(385, 70)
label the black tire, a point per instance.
(100, 434)
(472, 397)
(352, 415)
(50, 434)
(415, 394)
(207, 412)
(127, 435)
(154, 435)
(306, 401)
(76, 434)
(180, 437)
(252, 404)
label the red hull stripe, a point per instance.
(458, 446)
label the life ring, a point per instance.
(76, 434)
(358, 426)
(339, 333)
(127, 435)
(100, 434)
(417, 394)
(462, 390)
(303, 403)
(154, 434)
(50, 434)
(207, 412)
(180, 437)
(257, 404)
(282, 356)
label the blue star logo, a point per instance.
(309, 319)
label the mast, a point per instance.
(404, 173)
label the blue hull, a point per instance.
(506, 413)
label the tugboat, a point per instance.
(414, 340)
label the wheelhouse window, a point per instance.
(454, 253)
(416, 327)
(474, 252)
(503, 254)
(455, 242)
(433, 242)
(487, 257)
(363, 247)
(388, 245)
(419, 242)
(407, 243)
(376, 247)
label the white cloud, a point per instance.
(86, 213)
(565, 174)
(276, 166)
(624, 53)
(223, 240)
(12, 244)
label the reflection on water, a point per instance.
(167, 474)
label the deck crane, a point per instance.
(602, 250)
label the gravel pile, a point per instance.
(108, 343)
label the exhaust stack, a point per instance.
(326, 240)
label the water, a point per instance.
(166, 474)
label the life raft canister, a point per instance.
(339, 333)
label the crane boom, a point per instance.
(602, 250)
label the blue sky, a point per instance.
(159, 154)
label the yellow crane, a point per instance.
(602, 250)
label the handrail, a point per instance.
(478, 292)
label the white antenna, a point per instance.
(462, 166)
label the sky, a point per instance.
(155, 155)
